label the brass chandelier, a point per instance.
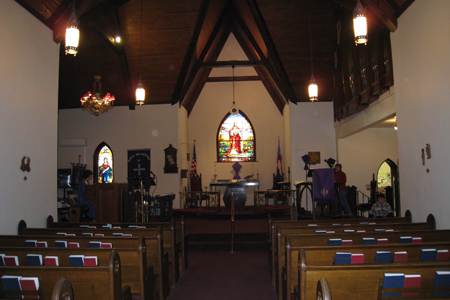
(94, 103)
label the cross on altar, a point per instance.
(139, 169)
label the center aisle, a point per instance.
(221, 275)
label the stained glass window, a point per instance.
(236, 139)
(104, 166)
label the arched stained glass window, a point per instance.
(103, 164)
(236, 139)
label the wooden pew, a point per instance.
(155, 255)
(62, 290)
(176, 237)
(327, 223)
(324, 256)
(362, 281)
(277, 259)
(323, 291)
(101, 282)
(168, 231)
(135, 272)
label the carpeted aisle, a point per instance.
(221, 275)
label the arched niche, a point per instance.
(388, 184)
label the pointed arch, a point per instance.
(236, 139)
(103, 164)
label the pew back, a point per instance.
(102, 282)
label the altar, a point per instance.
(236, 188)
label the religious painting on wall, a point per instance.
(236, 139)
(104, 169)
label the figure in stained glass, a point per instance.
(236, 139)
(105, 165)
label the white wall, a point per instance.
(421, 47)
(28, 118)
(149, 126)
(362, 154)
(312, 130)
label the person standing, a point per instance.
(340, 178)
(87, 175)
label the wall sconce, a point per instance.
(360, 24)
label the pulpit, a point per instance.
(107, 200)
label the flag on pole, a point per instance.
(279, 160)
(194, 163)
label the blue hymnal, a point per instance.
(321, 231)
(368, 241)
(2, 261)
(383, 257)
(428, 254)
(442, 279)
(343, 258)
(87, 234)
(11, 283)
(393, 280)
(30, 243)
(405, 240)
(93, 244)
(61, 244)
(380, 230)
(335, 242)
(76, 260)
(117, 234)
(34, 260)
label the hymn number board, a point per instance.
(171, 160)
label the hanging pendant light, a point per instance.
(360, 24)
(72, 33)
(313, 89)
(140, 91)
(233, 110)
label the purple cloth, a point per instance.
(323, 182)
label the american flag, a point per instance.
(194, 163)
(279, 160)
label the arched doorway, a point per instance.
(388, 184)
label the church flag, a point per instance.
(194, 163)
(323, 182)
(279, 160)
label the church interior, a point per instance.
(378, 109)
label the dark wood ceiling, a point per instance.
(181, 40)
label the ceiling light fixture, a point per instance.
(313, 90)
(140, 91)
(72, 33)
(233, 110)
(360, 24)
(94, 103)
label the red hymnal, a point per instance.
(400, 256)
(90, 261)
(443, 255)
(51, 261)
(11, 260)
(29, 284)
(357, 259)
(412, 281)
(106, 245)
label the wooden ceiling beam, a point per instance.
(278, 72)
(84, 14)
(208, 48)
(230, 63)
(190, 52)
(231, 78)
(384, 12)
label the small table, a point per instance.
(236, 189)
